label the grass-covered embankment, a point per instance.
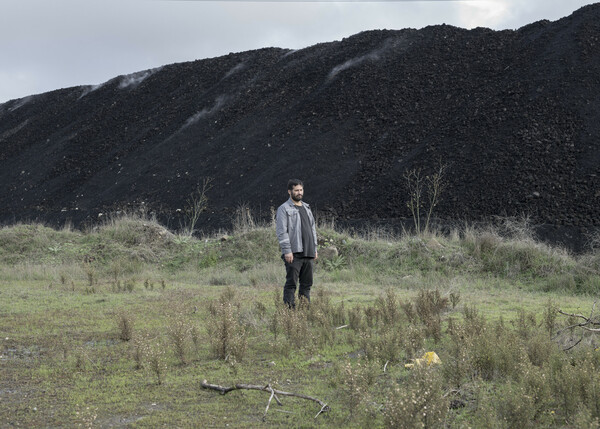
(118, 326)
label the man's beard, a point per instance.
(297, 197)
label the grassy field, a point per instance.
(119, 326)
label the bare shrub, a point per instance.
(149, 353)
(156, 361)
(243, 220)
(324, 313)
(226, 336)
(424, 195)
(354, 383)
(475, 323)
(355, 318)
(228, 295)
(125, 325)
(296, 327)
(409, 311)
(457, 366)
(514, 406)
(550, 315)
(180, 332)
(196, 204)
(525, 323)
(384, 344)
(430, 303)
(413, 340)
(497, 353)
(140, 350)
(371, 316)
(418, 403)
(429, 306)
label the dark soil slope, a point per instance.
(514, 114)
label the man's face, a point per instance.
(296, 193)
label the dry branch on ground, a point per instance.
(265, 388)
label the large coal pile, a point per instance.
(515, 115)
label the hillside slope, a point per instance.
(515, 115)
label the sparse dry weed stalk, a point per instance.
(355, 382)
(125, 324)
(155, 356)
(424, 193)
(419, 402)
(180, 331)
(226, 336)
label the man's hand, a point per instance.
(316, 255)
(289, 257)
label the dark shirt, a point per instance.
(308, 242)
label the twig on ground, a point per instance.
(342, 327)
(385, 366)
(325, 407)
(265, 388)
(268, 403)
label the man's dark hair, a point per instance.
(294, 182)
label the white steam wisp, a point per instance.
(206, 112)
(134, 79)
(235, 69)
(371, 56)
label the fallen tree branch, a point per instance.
(268, 404)
(265, 388)
(587, 321)
(323, 408)
(573, 345)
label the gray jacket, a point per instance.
(289, 227)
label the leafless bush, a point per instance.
(424, 195)
(156, 361)
(243, 220)
(418, 403)
(125, 325)
(180, 332)
(226, 336)
(196, 204)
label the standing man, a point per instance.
(297, 237)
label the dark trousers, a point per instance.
(301, 269)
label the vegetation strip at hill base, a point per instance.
(121, 336)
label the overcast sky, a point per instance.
(46, 45)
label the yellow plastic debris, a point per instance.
(429, 358)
